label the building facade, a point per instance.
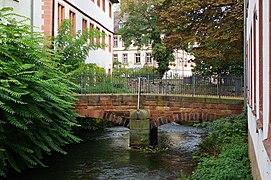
(134, 58)
(258, 96)
(47, 15)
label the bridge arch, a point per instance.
(163, 108)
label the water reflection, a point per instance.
(106, 155)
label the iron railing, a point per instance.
(153, 84)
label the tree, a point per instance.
(211, 30)
(36, 102)
(141, 29)
(74, 49)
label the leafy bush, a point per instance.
(106, 87)
(36, 104)
(74, 49)
(223, 153)
(231, 163)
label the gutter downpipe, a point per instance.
(245, 68)
(32, 15)
(53, 19)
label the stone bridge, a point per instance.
(163, 108)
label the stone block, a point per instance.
(139, 138)
(140, 124)
(139, 127)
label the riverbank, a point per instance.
(223, 152)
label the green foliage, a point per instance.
(142, 29)
(223, 153)
(211, 30)
(74, 49)
(106, 87)
(232, 163)
(92, 124)
(146, 70)
(36, 102)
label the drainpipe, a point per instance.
(32, 15)
(245, 65)
(53, 19)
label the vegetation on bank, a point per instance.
(36, 88)
(223, 153)
(90, 124)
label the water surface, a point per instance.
(106, 155)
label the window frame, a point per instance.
(125, 58)
(137, 58)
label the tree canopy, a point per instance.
(142, 29)
(212, 30)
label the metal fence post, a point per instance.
(193, 85)
(219, 86)
(85, 84)
(138, 93)
(112, 83)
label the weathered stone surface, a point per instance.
(162, 108)
(140, 128)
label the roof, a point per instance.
(118, 19)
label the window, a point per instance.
(137, 58)
(103, 5)
(61, 14)
(121, 25)
(125, 58)
(99, 3)
(115, 43)
(84, 25)
(73, 22)
(254, 63)
(98, 40)
(109, 43)
(110, 10)
(103, 39)
(148, 58)
(115, 57)
(91, 27)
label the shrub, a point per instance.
(36, 104)
(223, 153)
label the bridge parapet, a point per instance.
(163, 108)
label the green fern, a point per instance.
(36, 102)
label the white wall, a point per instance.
(23, 7)
(258, 135)
(102, 58)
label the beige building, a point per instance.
(134, 58)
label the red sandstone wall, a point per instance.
(163, 109)
(47, 17)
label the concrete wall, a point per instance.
(163, 109)
(32, 9)
(22, 7)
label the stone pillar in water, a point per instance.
(139, 128)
